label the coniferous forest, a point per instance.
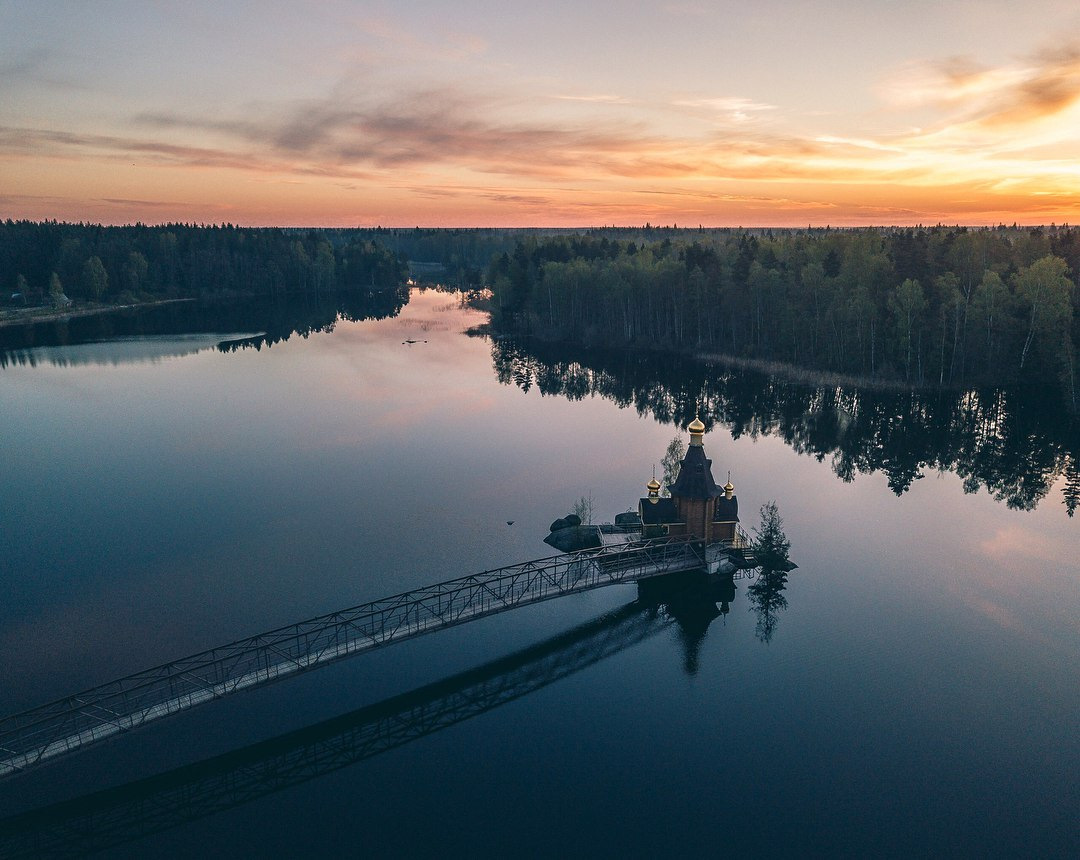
(940, 306)
(935, 306)
(126, 265)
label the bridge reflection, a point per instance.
(31, 738)
(129, 812)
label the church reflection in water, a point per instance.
(119, 815)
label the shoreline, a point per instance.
(809, 376)
(791, 372)
(62, 316)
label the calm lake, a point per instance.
(182, 478)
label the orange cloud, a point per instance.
(450, 155)
(1013, 96)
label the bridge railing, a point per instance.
(71, 723)
(116, 816)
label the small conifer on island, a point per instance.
(771, 545)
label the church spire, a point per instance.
(654, 489)
(695, 480)
(697, 430)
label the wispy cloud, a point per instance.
(734, 108)
(857, 143)
(113, 209)
(33, 66)
(423, 129)
(594, 99)
(1013, 94)
(61, 144)
(947, 82)
(996, 142)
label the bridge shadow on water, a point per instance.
(139, 809)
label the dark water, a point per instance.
(197, 476)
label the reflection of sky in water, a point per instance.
(129, 350)
(153, 509)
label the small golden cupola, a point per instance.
(729, 488)
(697, 430)
(654, 490)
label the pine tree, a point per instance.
(771, 545)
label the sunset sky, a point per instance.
(509, 114)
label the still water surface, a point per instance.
(164, 493)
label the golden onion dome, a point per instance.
(696, 426)
(729, 487)
(653, 484)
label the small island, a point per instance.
(697, 507)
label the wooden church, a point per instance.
(697, 506)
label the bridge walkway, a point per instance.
(32, 737)
(122, 814)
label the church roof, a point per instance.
(727, 510)
(658, 511)
(695, 479)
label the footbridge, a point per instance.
(41, 734)
(118, 815)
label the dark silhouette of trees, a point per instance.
(126, 265)
(95, 280)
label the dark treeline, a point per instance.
(459, 257)
(946, 307)
(92, 263)
(455, 257)
(1006, 442)
(133, 263)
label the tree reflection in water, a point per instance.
(1009, 442)
(1006, 441)
(275, 322)
(766, 595)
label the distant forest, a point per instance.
(125, 265)
(938, 306)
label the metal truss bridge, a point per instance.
(43, 733)
(134, 811)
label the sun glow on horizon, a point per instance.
(464, 130)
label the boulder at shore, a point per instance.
(573, 538)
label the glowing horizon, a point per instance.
(364, 114)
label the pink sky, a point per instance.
(438, 113)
